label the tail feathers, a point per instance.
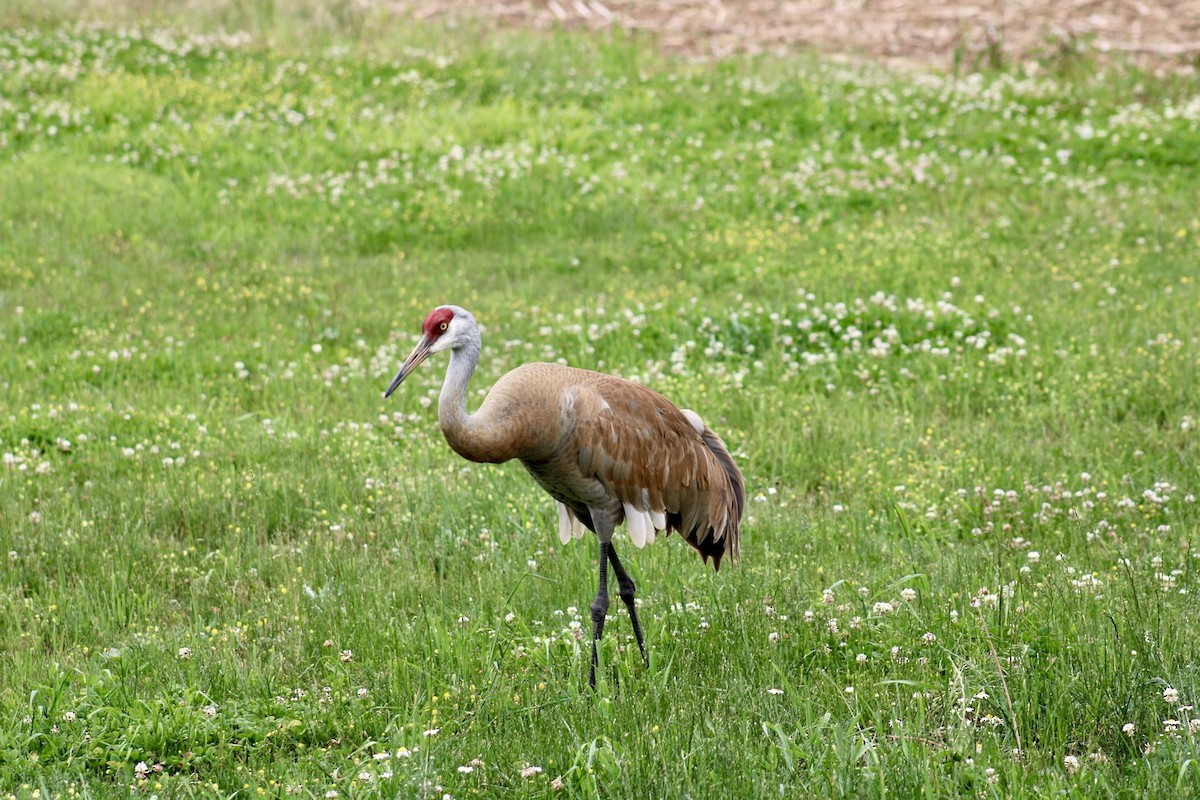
(718, 536)
(736, 481)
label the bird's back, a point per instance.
(600, 443)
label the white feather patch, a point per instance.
(694, 418)
(636, 521)
(565, 518)
(659, 520)
(569, 524)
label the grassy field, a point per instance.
(948, 325)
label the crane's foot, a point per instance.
(627, 590)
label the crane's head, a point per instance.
(446, 328)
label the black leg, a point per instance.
(599, 609)
(627, 589)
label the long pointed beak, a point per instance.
(419, 354)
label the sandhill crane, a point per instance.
(607, 449)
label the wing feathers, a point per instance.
(611, 450)
(664, 466)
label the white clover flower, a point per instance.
(530, 771)
(1171, 695)
(1071, 764)
(908, 595)
(185, 653)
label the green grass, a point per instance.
(947, 325)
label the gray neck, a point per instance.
(452, 403)
(476, 437)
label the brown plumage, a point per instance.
(607, 449)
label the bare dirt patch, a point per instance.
(937, 33)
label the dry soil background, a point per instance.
(1162, 33)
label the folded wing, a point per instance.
(667, 468)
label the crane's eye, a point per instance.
(443, 326)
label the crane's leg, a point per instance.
(599, 610)
(626, 588)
